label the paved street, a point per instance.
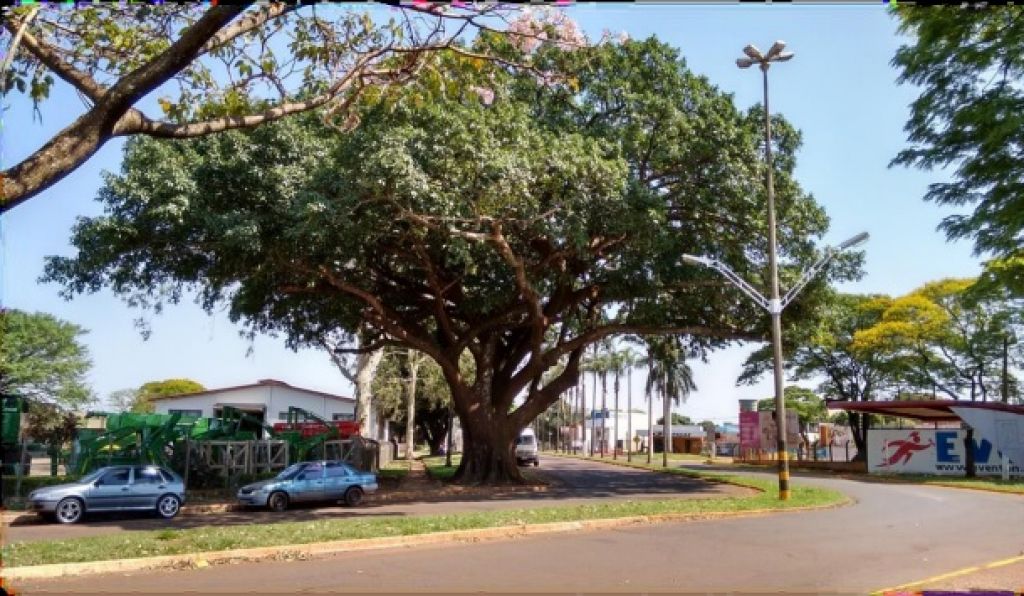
(893, 534)
(572, 482)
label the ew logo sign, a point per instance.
(930, 451)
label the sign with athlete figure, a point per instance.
(931, 451)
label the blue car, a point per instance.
(308, 482)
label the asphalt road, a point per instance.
(892, 535)
(571, 482)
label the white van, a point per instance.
(526, 448)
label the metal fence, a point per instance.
(845, 451)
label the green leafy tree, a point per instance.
(144, 395)
(432, 396)
(42, 359)
(807, 404)
(825, 349)
(946, 338)
(222, 68)
(123, 400)
(968, 119)
(517, 226)
(677, 418)
(669, 376)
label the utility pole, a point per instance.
(774, 304)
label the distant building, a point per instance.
(686, 438)
(268, 400)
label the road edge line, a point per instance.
(957, 573)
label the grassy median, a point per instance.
(1014, 486)
(170, 542)
(436, 467)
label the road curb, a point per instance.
(9, 517)
(303, 551)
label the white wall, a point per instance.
(275, 397)
(639, 424)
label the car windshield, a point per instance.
(525, 440)
(291, 472)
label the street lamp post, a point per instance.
(774, 304)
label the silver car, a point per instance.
(307, 482)
(114, 488)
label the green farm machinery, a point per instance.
(225, 445)
(10, 432)
(129, 438)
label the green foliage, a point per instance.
(433, 396)
(825, 350)
(518, 231)
(677, 419)
(50, 424)
(947, 337)
(123, 400)
(42, 359)
(668, 374)
(144, 394)
(806, 403)
(969, 118)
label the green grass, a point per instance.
(171, 542)
(436, 468)
(396, 470)
(1014, 486)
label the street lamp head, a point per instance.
(855, 241)
(744, 62)
(694, 260)
(783, 57)
(776, 49)
(754, 53)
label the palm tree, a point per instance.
(592, 364)
(621, 361)
(669, 375)
(629, 362)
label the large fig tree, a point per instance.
(512, 216)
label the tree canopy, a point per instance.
(42, 359)
(224, 67)
(143, 396)
(942, 337)
(513, 217)
(970, 118)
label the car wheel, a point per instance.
(353, 496)
(70, 510)
(536, 463)
(168, 506)
(277, 501)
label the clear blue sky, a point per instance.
(839, 91)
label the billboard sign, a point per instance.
(758, 430)
(930, 451)
(750, 430)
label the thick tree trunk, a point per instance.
(434, 426)
(410, 425)
(488, 451)
(366, 369)
(859, 426)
